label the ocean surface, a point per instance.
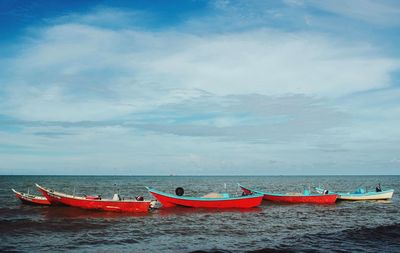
(372, 226)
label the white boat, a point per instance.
(360, 194)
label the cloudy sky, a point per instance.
(200, 87)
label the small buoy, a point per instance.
(179, 191)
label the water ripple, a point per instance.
(344, 227)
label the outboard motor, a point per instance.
(179, 191)
(116, 197)
(378, 188)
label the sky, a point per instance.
(195, 87)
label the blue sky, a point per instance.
(200, 87)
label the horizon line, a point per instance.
(188, 175)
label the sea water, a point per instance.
(369, 226)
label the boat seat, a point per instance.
(294, 193)
(216, 195)
(93, 197)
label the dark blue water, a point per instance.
(343, 227)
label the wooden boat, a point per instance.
(295, 197)
(360, 194)
(95, 202)
(213, 200)
(31, 199)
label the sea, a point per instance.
(367, 226)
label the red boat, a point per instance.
(295, 197)
(95, 202)
(213, 200)
(31, 199)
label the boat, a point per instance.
(212, 200)
(361, 194)
(96, 202)
(31, 199)
(305, 197)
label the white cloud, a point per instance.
(141, 92)
(271, 62)
(105, 73)
(105, 17)
(384, 12)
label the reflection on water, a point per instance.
(196, 211)
(77, 213)
(352, 226)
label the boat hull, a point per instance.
(383, 195)
(168, 200)
(315, 199)
(295, 199)
(31, 199)
(58, 198)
